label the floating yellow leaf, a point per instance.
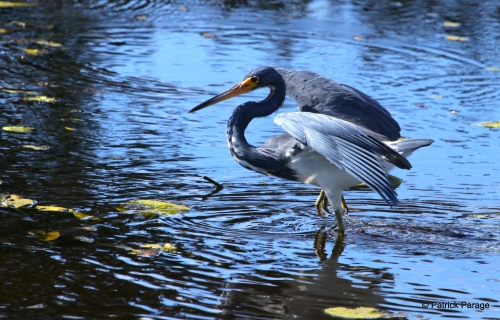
(395, 181)
(15, 201)
(39, 148)
(88, 228)
(450, 24)
(456, 38)
(152, 207)
(208, 35)
(358, 313)
(495, 124)
(69, 129)
(169, 247)
(18, 91)
(48, 43)
(496, 69)
(45, 235)
(166, 247)
(41, 99)
(145, 252)
(152, 246)
(142, 17)
(84, 239)
(357, 38)
(19, 23)
(62, 209)
(4, 31)
(6, 4)
(420, 105)
(18, 129)
(32, 51)
(51, 208)
(83, 216)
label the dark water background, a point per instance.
(125, 76)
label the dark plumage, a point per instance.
(335, 141)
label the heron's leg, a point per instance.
(340, 222)
(322, 204)
(336, 200)
(344, 205)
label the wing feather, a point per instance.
(347, 146)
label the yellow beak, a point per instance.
(239, 89)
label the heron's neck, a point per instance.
(244, 113)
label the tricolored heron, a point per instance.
(340, 137)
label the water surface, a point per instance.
(125, 76)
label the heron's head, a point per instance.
(262, 77)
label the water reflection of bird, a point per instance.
(335, 142)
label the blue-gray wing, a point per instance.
(347, 146)
(317, 94)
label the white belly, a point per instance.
(313, 168)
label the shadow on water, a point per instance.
(123, 74)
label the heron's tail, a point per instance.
(407, 146)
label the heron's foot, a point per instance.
(322, 205)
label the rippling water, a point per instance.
(125, 76)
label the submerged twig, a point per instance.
(215, 183)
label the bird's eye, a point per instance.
(254, 79)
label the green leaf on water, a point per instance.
(18, 129)
(358, 313)
(150, 208)
(493, 124)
